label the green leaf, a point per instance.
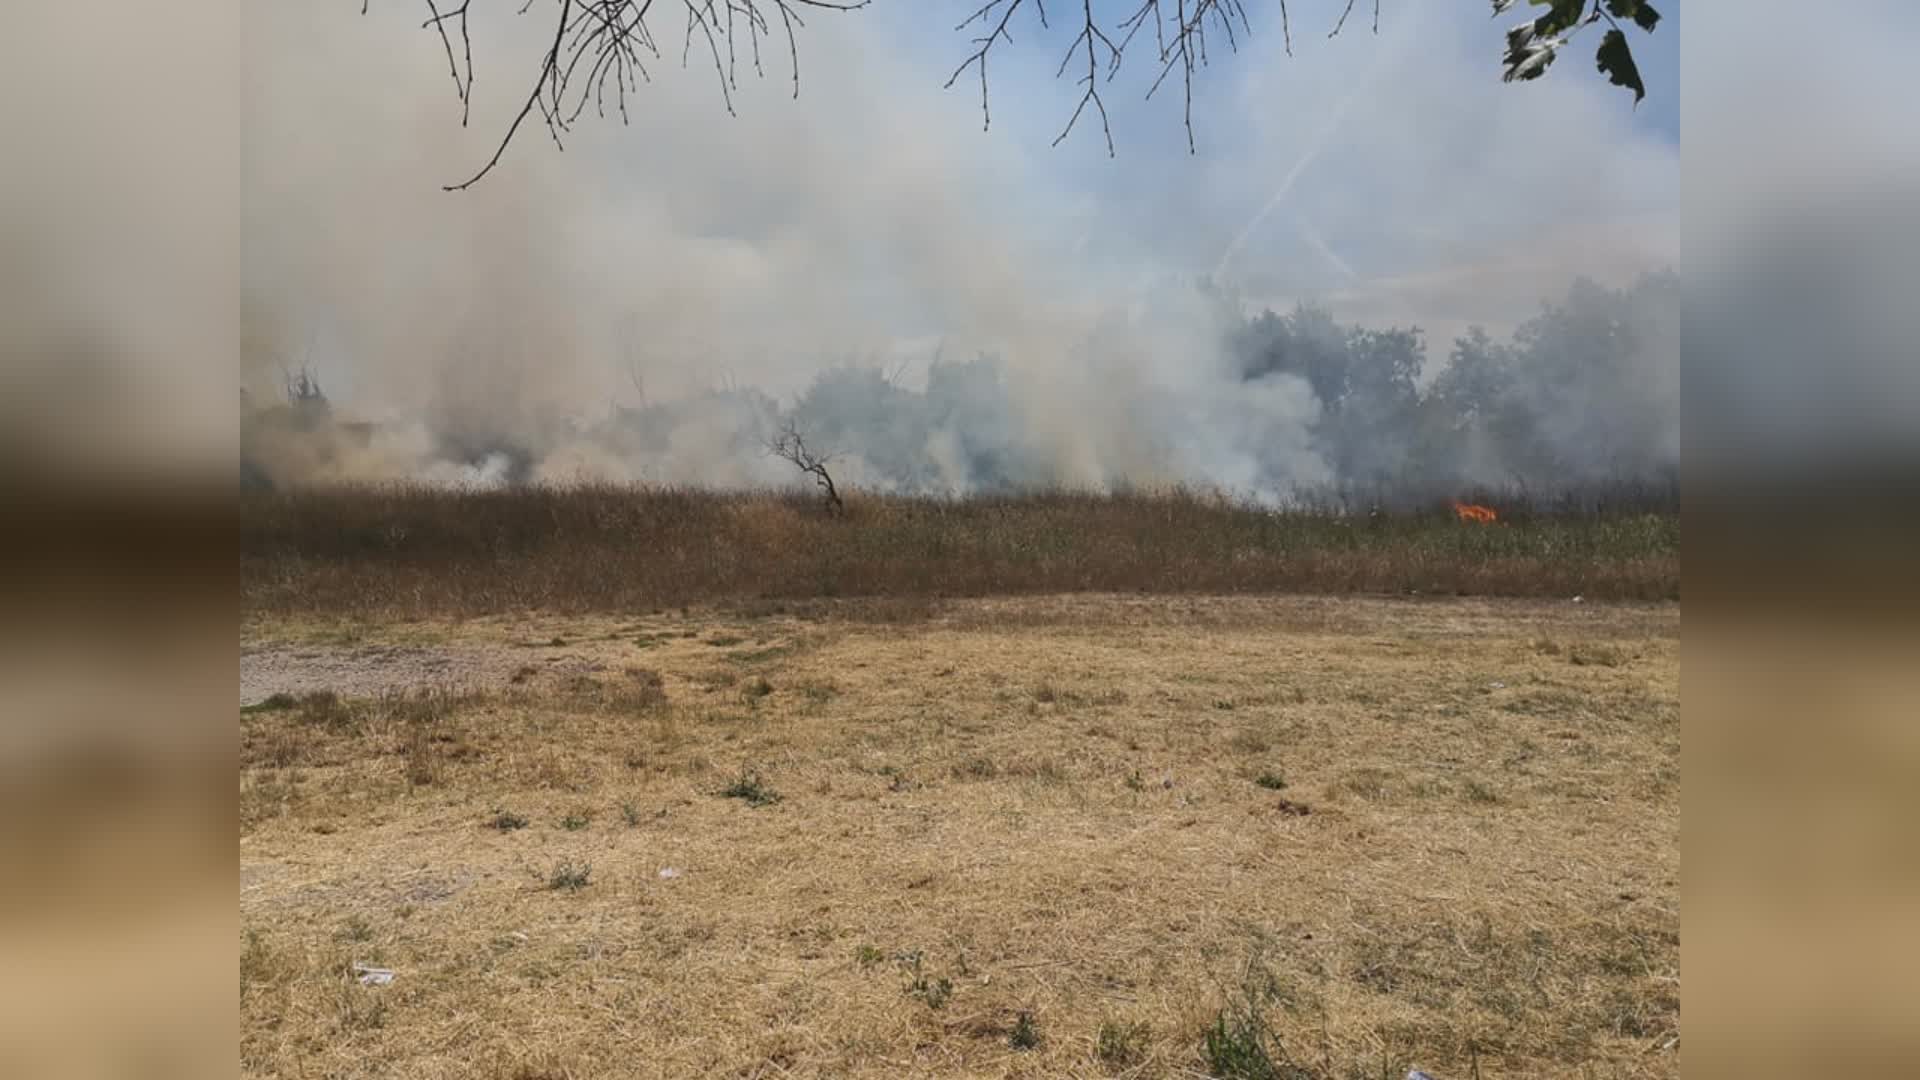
(1615, 60)
(1561, 16)
(1528, 53)
(1641, 13)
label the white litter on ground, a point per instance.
(373, 976)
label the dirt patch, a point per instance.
(369, 670)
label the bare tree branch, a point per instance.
(1089, 36)
(789, 445)
(597, 49)
(1348, 10)
(979, 57)
(462, 87)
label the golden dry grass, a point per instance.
(387, 553)
(1038, 806)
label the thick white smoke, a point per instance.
(690, 252)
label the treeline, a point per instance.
(1580, 406)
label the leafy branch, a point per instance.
(1533, 45)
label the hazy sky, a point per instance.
(1394, 178)
(1422, 187)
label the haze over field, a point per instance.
(700, 272)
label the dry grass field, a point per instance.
(1098, 835)
(409, 552)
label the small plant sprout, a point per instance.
(1025, 1035)
(570, 876)
(749, 789)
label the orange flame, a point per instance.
(1482, 515)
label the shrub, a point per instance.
(570, 876)
(324, 709)
(1120, 1045)
(751, 790)
(1236, 1047)
(1025, 1035)
(271, 703)
(1477, 792)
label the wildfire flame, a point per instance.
(1481, 515)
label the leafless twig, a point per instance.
(978, 59)
(1183, 39)
(1180, 31)
(1348, 10)
(1089, 36)
(789, 445)
(600, 49)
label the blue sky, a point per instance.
(1410, 156)
(1658, 55)
(1028, 66)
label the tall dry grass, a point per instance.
(411, 551)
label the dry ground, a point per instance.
(1441, 834)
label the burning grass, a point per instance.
(410, 552)
(959, 878)
(1475, 513)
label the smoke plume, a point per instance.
(952, 311)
